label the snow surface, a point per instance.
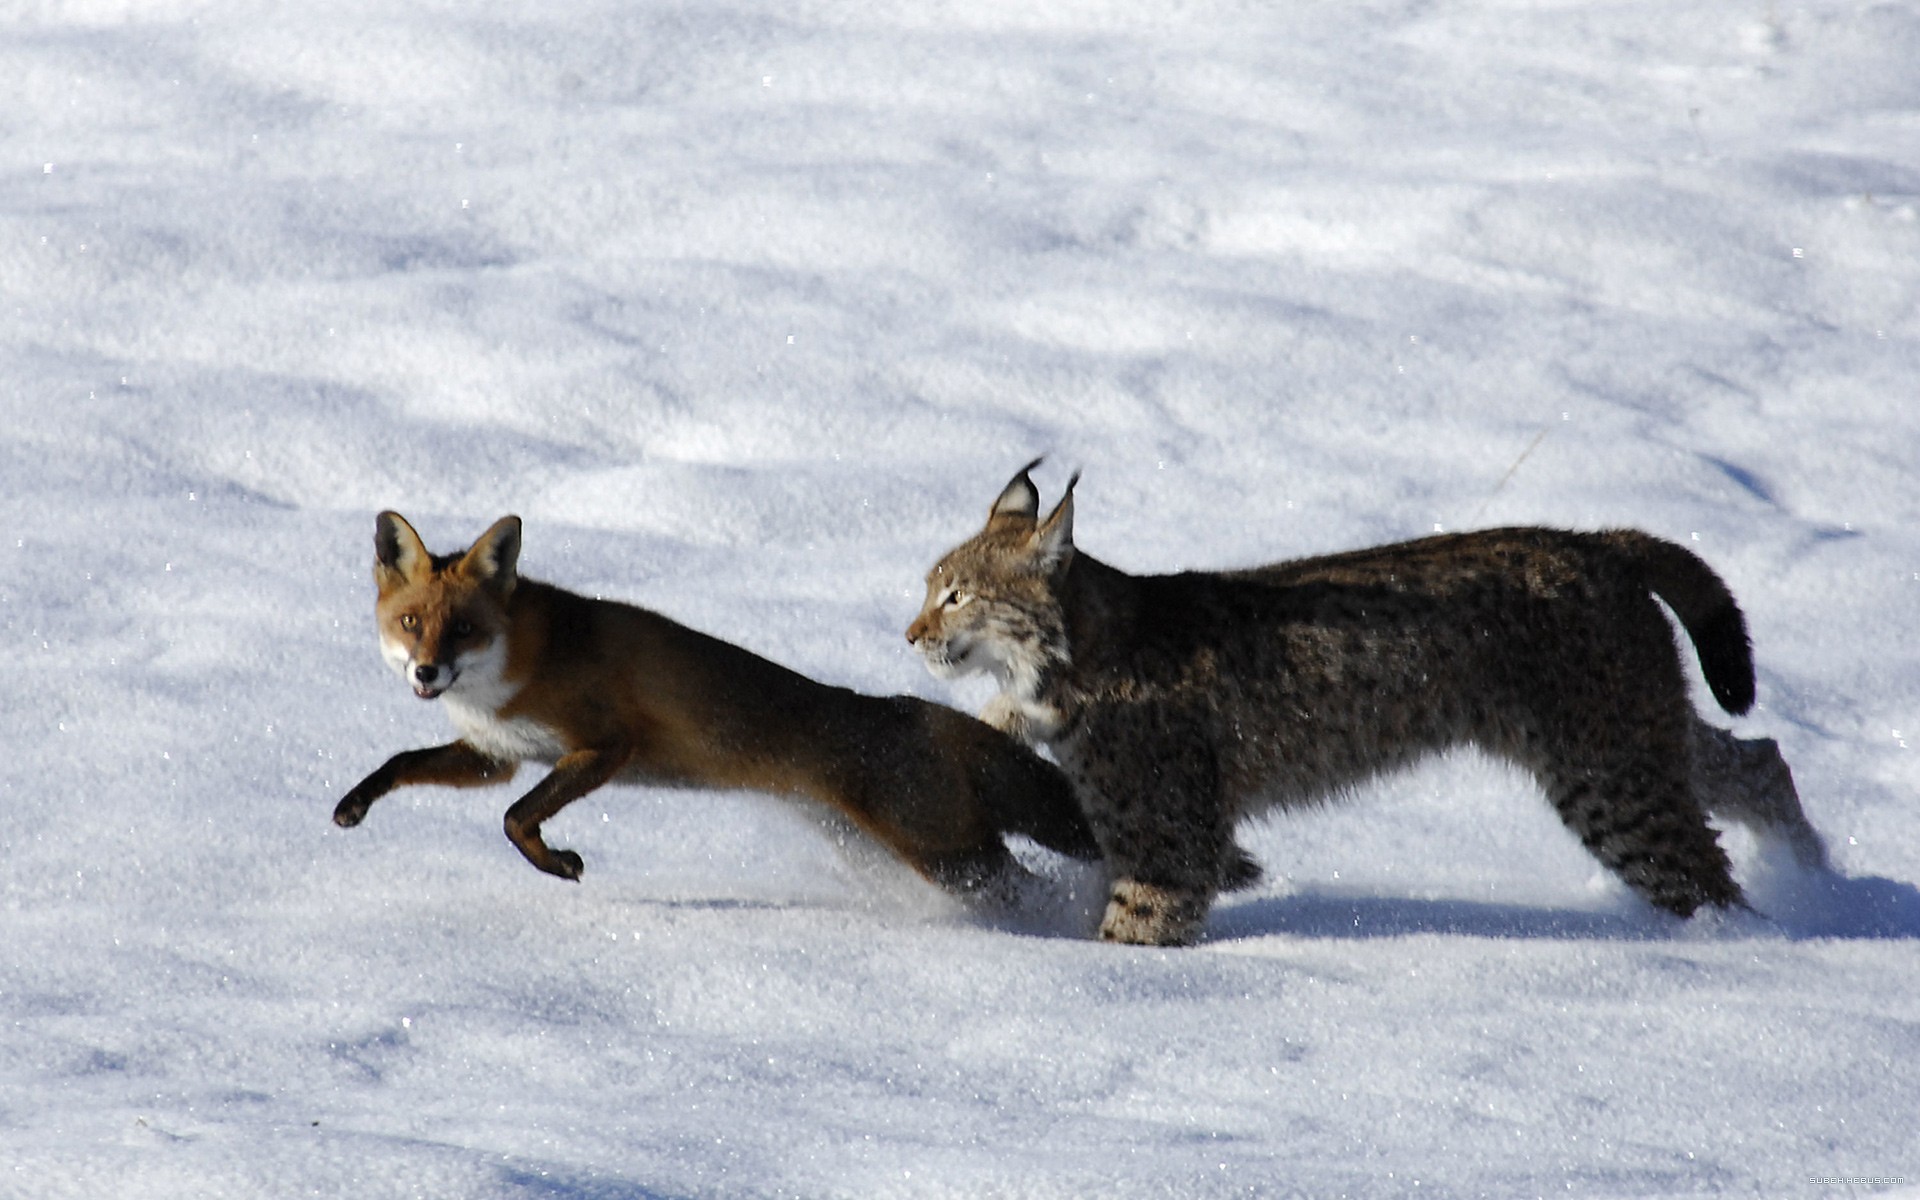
(749, 309)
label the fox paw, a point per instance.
(564, 863)
(349, 812)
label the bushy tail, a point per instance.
(1705, 607)
(1019, 791)
(1029, 795)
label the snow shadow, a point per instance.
(1802, 907)
(561, 1187)
(728, 904)
(1835, 906)
(1312, 915)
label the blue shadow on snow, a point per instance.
(562, 1187)
(1806, 907)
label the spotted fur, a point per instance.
(1182, 704)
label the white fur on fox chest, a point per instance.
(474, 700)
(515, 739)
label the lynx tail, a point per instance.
(1704, 605)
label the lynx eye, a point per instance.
(955, 598)
(410, 623)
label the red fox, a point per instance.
(606, 691)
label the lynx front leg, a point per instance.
(455, 764)
(572, 777)
(1150, 914)
(1155, 806)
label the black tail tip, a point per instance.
(1736, 699)
(1726, 658)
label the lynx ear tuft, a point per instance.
(1019, 500)
(398, 553)
(495, 557)
(1054, 538)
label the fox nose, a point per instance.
(427, 674)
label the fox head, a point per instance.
(993, 602)
(443, 618)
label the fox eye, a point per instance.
(463, 628)
(410, 623)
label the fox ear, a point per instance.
(494, 558)
(1019, 500)
(398, 553)
(1053, 541)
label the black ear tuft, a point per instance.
(1054, 538)
(1019, 500)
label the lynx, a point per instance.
(1180, 705)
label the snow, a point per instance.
(749, 310)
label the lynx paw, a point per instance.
(1147, 915)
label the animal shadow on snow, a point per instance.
(1798, 905)
(560, 1187)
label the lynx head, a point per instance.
(993, 601)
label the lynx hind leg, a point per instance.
(1635, 812)
(1746, 780)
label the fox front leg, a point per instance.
(572, 777)
(455, 764)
